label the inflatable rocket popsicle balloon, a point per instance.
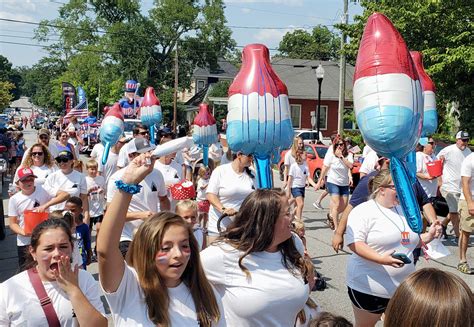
(150, 111)
(111, 129)
(258, 120)
(388, 104)
(204, 130)
(430, 115)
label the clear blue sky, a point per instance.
(274, 17)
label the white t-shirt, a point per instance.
(299, 174)
(97, 152)
(201, 193)
(430, 186)
(153, 186)
(215, 152)
(123, 159)
(467, 170)
(19, 202)
(20, 306)
(338, 173)
(76, 145)
(231, 189)
(289, 159)
(110, 166)
(172, 175)
(369, 163)
(74, 183)
(366, 151)
(453, 158)
(199, 235)
(129, 309)
(381, 229)
(41, 172)
(273, 296)
(97, 197)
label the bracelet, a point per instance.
(128, 188)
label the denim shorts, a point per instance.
(334, 189)
(297, 191)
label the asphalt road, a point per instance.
(331, 265)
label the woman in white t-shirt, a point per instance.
(337, 166)
(40, 161)
(376, 231)
(290, 156)
(73, 292)
(298, 176)
(428, 182)
(228, 186)
(162, 282)
(256, 266)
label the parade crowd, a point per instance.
(217, 251)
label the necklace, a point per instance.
(405, 236)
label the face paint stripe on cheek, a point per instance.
(161, 257)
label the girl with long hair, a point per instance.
(40, 161)
(73, 293)
(162, 281)
(290, 157)
(257, 264)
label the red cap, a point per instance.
(25, 173)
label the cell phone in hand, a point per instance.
(402, 257)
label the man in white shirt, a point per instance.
(110, 166)
(452, 157)
(139, 131)
(151, 199)
(466, 211)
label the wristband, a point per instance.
(128, 188)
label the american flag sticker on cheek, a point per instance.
(161, 257)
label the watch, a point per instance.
(222, 209)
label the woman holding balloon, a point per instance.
(337, 166)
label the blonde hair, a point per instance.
(294, 146)
(141, 256)
(92, 164)
(186, 205)
(383, 178)
(78, 165)
(202, 170)
(435, 297)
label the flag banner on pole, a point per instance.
(69, 96)
(81, 110)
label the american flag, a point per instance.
(80, 111)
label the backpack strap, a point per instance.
(44, 299)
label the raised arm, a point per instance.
(111, 264)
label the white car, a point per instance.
(128, 126)
(309, 135)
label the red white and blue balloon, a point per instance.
(150, 111)
(111, 129)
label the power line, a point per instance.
(62, 48)
(276, 12)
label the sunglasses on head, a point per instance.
(36, 153)
(62, 160)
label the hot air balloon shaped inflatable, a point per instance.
(430, 115)
(258, 120)
(204, 131)
(150, 111)
(111, 129)
(388, 104)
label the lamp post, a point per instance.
(319, 76)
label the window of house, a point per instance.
(295, 115)
(200, 84)
(323, 117)
(349, 119)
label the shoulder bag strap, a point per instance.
(44, 299)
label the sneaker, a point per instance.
(464, 268)
(317, 205)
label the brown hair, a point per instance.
(298, 158)
(337, 140)
(65, 216)
(48, 160)
(253, 229)
(78, 164)
(431, 297)
(141, 256)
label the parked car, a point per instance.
(128, 126)
(315, 159)
(310, 135)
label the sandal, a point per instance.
(330, 223)
(464, 268)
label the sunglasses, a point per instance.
(432, 143)
(144, 133)
(465, 140)
(44, 137)
(391, 186)
(36, 153)
(340, 144)
(62, 160)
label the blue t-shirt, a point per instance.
(20, 148)
(84, 240)
(90, 120)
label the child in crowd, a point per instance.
(69, 219)
(203, 204)
(298, 175)
(298, 228)
(188, 210)
(78, 166)
(12, 153)
(327, 319)
(82, 234)
(96, 193)
(20, 148)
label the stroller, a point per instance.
(90, 137)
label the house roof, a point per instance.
(226, 70)
(299, 75)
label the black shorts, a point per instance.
(95, 220)
(367, 302)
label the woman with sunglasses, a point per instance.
(337, 166)
(69, 180)
(382, 243)
(64, 145)
(228, 187)
(40, 161)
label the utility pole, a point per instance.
(342, 75)
(175, 102)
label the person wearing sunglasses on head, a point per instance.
(69, 180)
(139, 131)
(40, 161)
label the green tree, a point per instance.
(6, 95)
(320, 44)
(7, 73)
(443, 32)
